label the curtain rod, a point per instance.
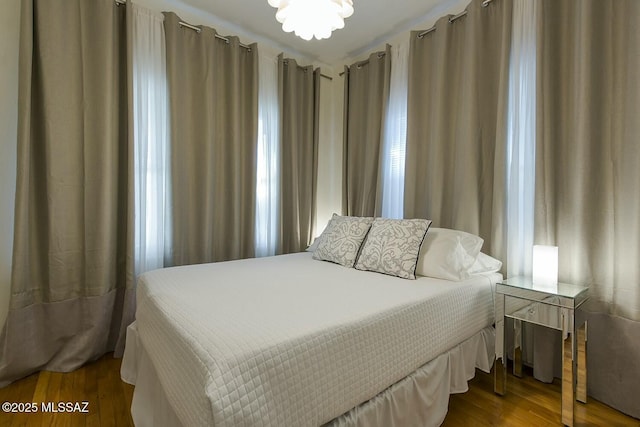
(198, 30)
(286, 62)
(365, 62)
(193, 27)
(485, 3)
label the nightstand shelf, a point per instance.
(555, 307)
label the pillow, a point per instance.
(314, 245)
(341, 240)
(392, 246)
(485, 264)
(448, 254)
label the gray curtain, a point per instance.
(588, 179)
(366, 94)
(456, 123)
(213, 103)
(72, 256)
(299, 99)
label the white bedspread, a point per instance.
(290, 341)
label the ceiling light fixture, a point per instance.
(312, 18)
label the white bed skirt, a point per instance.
(420, 399)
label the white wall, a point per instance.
(329, 191)
(9, 40)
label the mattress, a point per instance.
(290, 341)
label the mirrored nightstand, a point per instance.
(555, 307)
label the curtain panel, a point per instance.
(395, 135)
(151, 138)
(587, 200)
(213, 105)
(73, 244)
(366, 94)
(521, 140)
(299, 103)
(268, 175)
(456, 124)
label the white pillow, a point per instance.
(392, 246)
(448, 254)
(485, 264)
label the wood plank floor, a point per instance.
(527, 402)
(97, 383)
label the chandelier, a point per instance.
(312, 18)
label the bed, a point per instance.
(292, 341)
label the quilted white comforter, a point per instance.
(290, 341)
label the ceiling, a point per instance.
(373, 22)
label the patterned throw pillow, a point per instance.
(392, 247)
(341, 240)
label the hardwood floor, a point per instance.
(527, 402)
(97, 383)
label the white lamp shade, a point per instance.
(312, 18)
(545, 265)
(347, 8)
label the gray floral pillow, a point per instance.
(341, 240)
(392, 246)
